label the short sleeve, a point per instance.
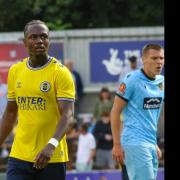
(126, 87)
(92, 142)
(64, 83)
(11, 84)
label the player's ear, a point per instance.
(24, 41)
(143, 60)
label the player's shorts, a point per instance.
(23, 170)
(141, 162)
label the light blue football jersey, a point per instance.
(145, 97)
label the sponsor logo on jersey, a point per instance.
(152, 103)
(45, 86)
(18, 85)
(31, 103)
(122, 88)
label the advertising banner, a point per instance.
(11, 53)
(107, 59)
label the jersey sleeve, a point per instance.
(126, 87)
(11, 84)
(64, 83)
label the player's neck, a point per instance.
(148, 74)
(38, 61)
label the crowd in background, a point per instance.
(90, 144)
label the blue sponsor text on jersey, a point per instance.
(31, 103)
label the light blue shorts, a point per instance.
(141, 162)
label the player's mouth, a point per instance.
(39, 49)
(159, 68)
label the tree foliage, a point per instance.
(78, 14)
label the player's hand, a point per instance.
(44, 156)
(118, 153)
(159, 152)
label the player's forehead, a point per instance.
(37, 29)
(155, 52)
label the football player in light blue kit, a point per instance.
(140, 96)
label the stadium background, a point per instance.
(89, 32)
(88, 49)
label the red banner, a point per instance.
(10, 53)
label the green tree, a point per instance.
(77, 14)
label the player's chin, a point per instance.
(40, 53)
(158, 71)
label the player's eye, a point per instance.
(33, 37)
(43, 36)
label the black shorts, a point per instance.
(23, 170)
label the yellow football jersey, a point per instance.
(36, 91)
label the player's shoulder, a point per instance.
(57, 65)
(56, 62)
(160, 78)
(19, 64)
(132, 76)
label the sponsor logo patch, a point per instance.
(152, 103)
(19, 84)
(122, 88)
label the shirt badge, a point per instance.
(45, 86)
(122, 88)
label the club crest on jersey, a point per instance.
(45, 86)
(122, 88)
(160, 85)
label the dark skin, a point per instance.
(66, 109)
(37, 43)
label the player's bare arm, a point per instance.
(159, 152)
(8, 120)
(117, 151)
(66, 110)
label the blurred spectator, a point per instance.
(86, 149)
(72, 139)
(3, 101)
(103, 135)
(77, 78)
(78, 83)
(103, 104)
(133, 65)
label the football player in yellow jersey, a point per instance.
(41, 95)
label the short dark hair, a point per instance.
(147, 47)
(33, 22)
(84, 127)
(105, 114)
(104, 89)
(132, 58)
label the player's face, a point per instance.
(133, 65)
(153, 62)
(37, 39)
